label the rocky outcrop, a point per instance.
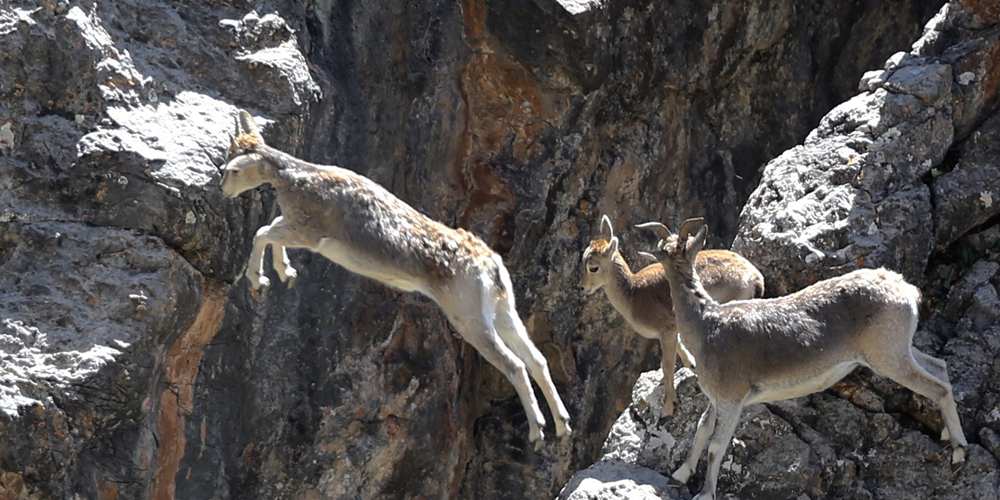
(117, 249)
(860, 440)
(873, 184)
(134, 364)
(901, 175)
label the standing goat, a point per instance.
(755, 351)
(643, 298)
(361, 226)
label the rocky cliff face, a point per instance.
(902, 175)
(134, 364)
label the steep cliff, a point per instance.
(902, 175)
(134, 363)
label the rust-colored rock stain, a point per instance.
(505, 111)
(180, 371)
(986, 10)
(107, 490)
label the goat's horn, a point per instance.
(249, 125)
(659, 228)
(606, 224)
(689, 226)
(647, 255)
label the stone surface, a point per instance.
(133, 364)
(615, 480)
(891, 177)
(859, 192)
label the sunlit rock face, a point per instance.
(134, 363)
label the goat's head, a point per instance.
(677, 251)
(598, 258)
(245, 168)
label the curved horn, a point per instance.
(647, 255)
(233, 147)
(658, 228)
(606, 226)
(249, 125)
(688, 226)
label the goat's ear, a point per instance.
(696, 243)
(233, 147)
(690, 225)
(613, 247)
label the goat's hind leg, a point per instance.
(489, 344)
(515, 335)
(939, 370)
(905, 370)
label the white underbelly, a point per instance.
(360, 263)
(805, 386)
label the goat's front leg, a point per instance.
(283, 266)
(706, 426)
(728, 417)
(277, 234)
(668, 353)
(686, 358)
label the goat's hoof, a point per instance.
(564, 430)
(668, 406)
(958, 455)
(537, 437)
(681, 475)
(258, 282)
(289, 275)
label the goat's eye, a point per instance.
(592, 269)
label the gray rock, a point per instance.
(614, 480)
(969, 194)
(878, 182)
(517, 121)
(854, 194)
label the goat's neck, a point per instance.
(621, 286)
(693, 306)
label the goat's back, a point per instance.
(832, 322)
(728, 276)
(380, 234)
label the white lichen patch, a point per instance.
(966, 78)
(27, 356)
(993, 415)
(578, 6)
(6, 138)
(986, 198)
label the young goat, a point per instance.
(643, 298)
(755, 351)
(359, 225)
